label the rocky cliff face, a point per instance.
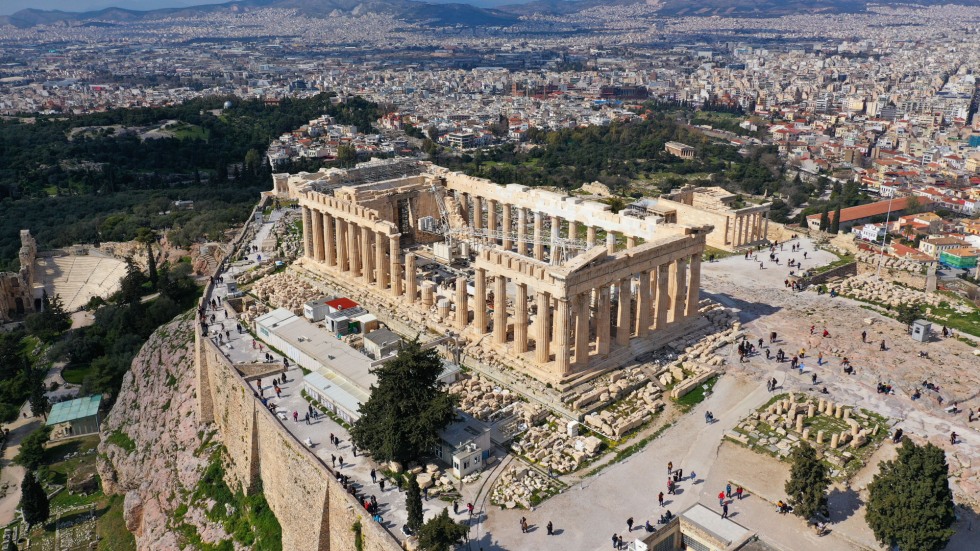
(153, 451)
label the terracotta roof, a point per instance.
(871, 209)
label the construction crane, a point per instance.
(462, 231)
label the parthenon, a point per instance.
(559, 287)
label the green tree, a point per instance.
(33, 501)
(910, 504)
(253, 162)
(148, 237)
(908, 312)
(835, 223)
(825, 218)
(347, 155)
(31, 453)
(51, 321)
(40, 405)
(407, 408)
(441, 533)
(413, 504)
(808, 482)
(11, 545)
(131, 286)
(433, 133)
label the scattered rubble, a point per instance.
(521, 486)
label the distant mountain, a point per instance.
(410, 10)
(469, 15)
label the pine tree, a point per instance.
(441, 533)
(910, 504)
(413, 504)
(825, 218)
(808, 482)
(835, 223)
(407, 408)
(33, 501)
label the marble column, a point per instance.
(562, 350)
(477, 212)
(590, 236)
(521, 231)
(428, 293)
(500, 309)
(663, 295)
(765, 227)
(464, 204)
(367, 254)
(582, 329)
(329, 242)
(492, 219)
(643, 305)
(679, 292)
(381, 259)
(538, 244)
(462, 312)
(694, 286)
(630, 241)
(410, 281)
(573, 235)
(307, 233)
(553, 243)
(542, 329)
(623, 312)
(505, 226)
(602, 325)
(353, 247)
(318, 233)
(610, 243)
(394, 255)
(520, 319)
(480, 300)
(343, 259)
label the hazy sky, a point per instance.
(8, 7)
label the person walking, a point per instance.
(952, 438)
(728, 490)
(812, 327)
(738, 493)
(724, 511)
(523, 524)
(721, 498)
(882, 347)
(295, 416)
(629, 523)
(333, 460)
(469, 507)
(660, 498)
(455, 507)
(374, 477)
(864, 336)
(670, 467)
(381, 484)
(670, 486)
(551, 528)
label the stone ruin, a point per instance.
(522, 486)
(482, 398)
(870, 289)
(891, 263)
(841, 432)
(284, 290)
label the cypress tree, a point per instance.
(33, 501)
(835, 223)
(808, 482)
(825, 218)
(413, 503)
(910, 504)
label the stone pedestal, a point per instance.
(806, 434)
(799, 423)
(847, 413)
(811, 410)
(834, 441)
(442, 309)
(839, 412)
(819, 437)
(822, 405)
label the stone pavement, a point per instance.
(12, 474)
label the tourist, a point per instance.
(882, 347)
(333, 460)
(381, 484)
(340, 460)
(864, 336)
(551, 530)
(728, 490)
(952, 438)
(721, 498)
(629, 523)
(295, 416)
(812, 327)
(670, 486)
(813, 378)
(523, 524)
(670, 467)
(469, 507)
(455, 506)
(724, 511)
(374, 478)
(660, 498)
(738, 493)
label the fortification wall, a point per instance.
(315, 512)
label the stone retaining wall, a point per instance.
(846, 270)
(315, 512)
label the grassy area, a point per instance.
(185, 131)
(121, 439)
(696, 396)
(113, 535)
(76, 375)
(717, 254)
(841, 261)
